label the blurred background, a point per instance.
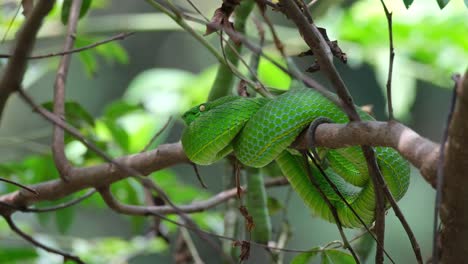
(122, 93)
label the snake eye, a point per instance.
(202, 108)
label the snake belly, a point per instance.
(260, 131)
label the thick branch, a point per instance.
(421, 152)
(16, 67)
(454, 209)
(164, 156)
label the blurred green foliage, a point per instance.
(430, 46)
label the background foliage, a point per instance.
(120, 94)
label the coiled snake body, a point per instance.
(260, 130)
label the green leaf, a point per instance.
(86, 4)
(89, 62)
(364, 246)
(43, 219)
(403, 85)
(274, 205)
(408, 3)
(39, 168)
(466, 3)
(120, 108)
(74, 113)
(177, 191)
(442, 3)
(270, 75)
(333, 256)
(159, 90)
(118, 134)
(113, 51)
(305, 257)
(17, 255)
(64, 219)
(197, 89)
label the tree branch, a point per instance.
(62, 164)
(454, 209)
(66, 256)
(421, 152)
(119, 36)
(164, 156)
(16, 67)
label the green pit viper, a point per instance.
(260, 130)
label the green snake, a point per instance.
(260, 130)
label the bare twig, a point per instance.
(19, 185)
(119, 36)
(311, 3)
(11, 24)
(388, 15)
(60, 206)
(324, 56)
(440, 174)
(66, 256)
(197, 173)
(142, 210)
(191, 246)
(16, 67)
(62, 164)
(336, 191)
(374, 172)
(332, 208)
(157, 135)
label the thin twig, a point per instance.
(19, 185)
(311, 3)
(258, 50)
(276, 40)
(388, 15)
(197, 173)
(332, 208)
(375, 172)
(107, 196)
(119, 36)
(336, 191)
(119, 207)
(74, 132)
(66, 256)
(440, 173)
(178, 18)
(324, 56)
(60, 206)
(191, 246)
(62, 164)
(404, 223)
(11, 23)
(157, 135)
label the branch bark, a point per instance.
(454, 208)
(421, 152)
(16, 67)
(58, 143)
(95, 176)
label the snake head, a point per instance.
(193, 113)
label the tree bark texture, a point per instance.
(454, 208)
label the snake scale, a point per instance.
(260, 130)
